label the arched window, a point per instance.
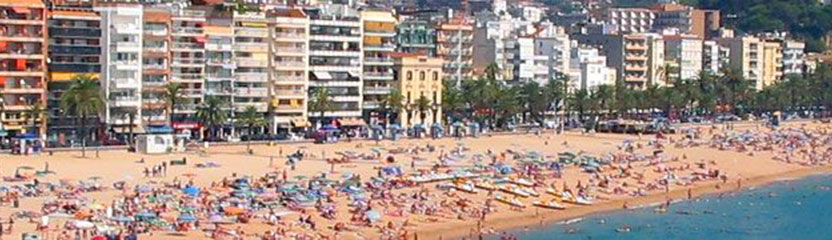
(409, 75)
(422, 75)
(435, 76)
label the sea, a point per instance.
(793, 209)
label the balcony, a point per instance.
(187, 62)
(219, 91)
(186, 107)
(26, 72)
(154, 66)
(251, 47)
(635, 58)
(260, 106)
(289, 78)
(252, 32)
(289, 64)
(155, 31)
(187, 31)
(187, 77)
(380, 47)
(248, 62)
(289, 50)
(372, 104)
(22, 54)
(286, 36)
(87, 32)
(379, 33)
(192, 92)
(187, 46)
(75, 67)
(36, 36)
(252, 77)
(377, 90)
(221, 62)
(219, 47)
(125, 101)
(378, 61)
(152, 84)
(289, 108)
(127, 46)
(126, 64)
(124, 83)
(251, 92)
(74, 49)
(27, 89)
(378, 76)
(217, 77)
(127, 28)
(286, 93)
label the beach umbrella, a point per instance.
(189, 175)
(83, 224)
(99, 237)
(373, 216)
(146, 215)
(186, 218)
(83, 215)
(233, 210)
(144, 189)
(191, 191)
(122, 219)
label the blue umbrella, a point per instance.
(186, 218)
(191, 191)
(122, 219)
(373, 216)
(144, 189)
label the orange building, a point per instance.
(22, 64)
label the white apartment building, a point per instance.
(289, 61)
(219, 60)
(379, 41)
(251, 55)
(188, 65)
(794, 57)
(590, 68)
(155, 64)
(714, 56)
(335, 58)
(630, 20)
(746, 56)
(121, 74)
(685, 51)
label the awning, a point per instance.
(352, 122)
(354, 74)
(251, 24)
(322, 75)
(185, 125)
(201, 39)
(300, 123)
(163, 129)
(21, 10)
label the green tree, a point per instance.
(320, 102)
(604, 96)
(422, 105)
(581, 102)
(211, 114)
(391, 105)
(83, 98)
(251, 119)
(172, 96)
(453, 102)
(34, 113)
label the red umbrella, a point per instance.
(99, 237)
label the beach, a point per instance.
(678, 158)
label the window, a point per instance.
(434, 97)
(435, 76)
(408, 96)
(422, 75)
(409, 75)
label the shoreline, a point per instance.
(519, 220)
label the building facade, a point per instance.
(121, 74)
(379, 41)
(290, 65)
(746, 56)
(684, 51)
(455, 45)
(419, 77)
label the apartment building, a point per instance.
(379, 41)
(220, 81)
(794, 57)
(630, 20)
(591, 68)
(684, 51)
(416, 36)
(155, 61)
(188, 66)
(22, 64)
(687, 19)
(121, 74)
(289, 61)
(746, 56)
(335, 59)
(637, 58)
(714, 56)
(455, 40)
(251, 55)
(74, 49)
(419, 76)
(772, 62)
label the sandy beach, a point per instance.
(612, 187)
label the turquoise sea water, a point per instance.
(800, 209)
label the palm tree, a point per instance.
(172, 96)
(34, 113)
(83, 98)
(452, 101)
(580, 101)
(131, 116)
(211, 114)
(422, 105)
(391, 105)
(320, 102)
(250, 118)
(603, 95)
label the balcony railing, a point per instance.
(289, 35)
(252, 92)
(187, 30)
(290, 50)
(251, 47)
(74, 32)
(252, 77)
(188, 46)
(188, 61)
(284, 78)
(289, 93)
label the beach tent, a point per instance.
(394, 130)
(418, 130)
(25, 144)
(377, 132)
(436, 130)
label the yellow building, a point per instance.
(418, 76)
(772, 62)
